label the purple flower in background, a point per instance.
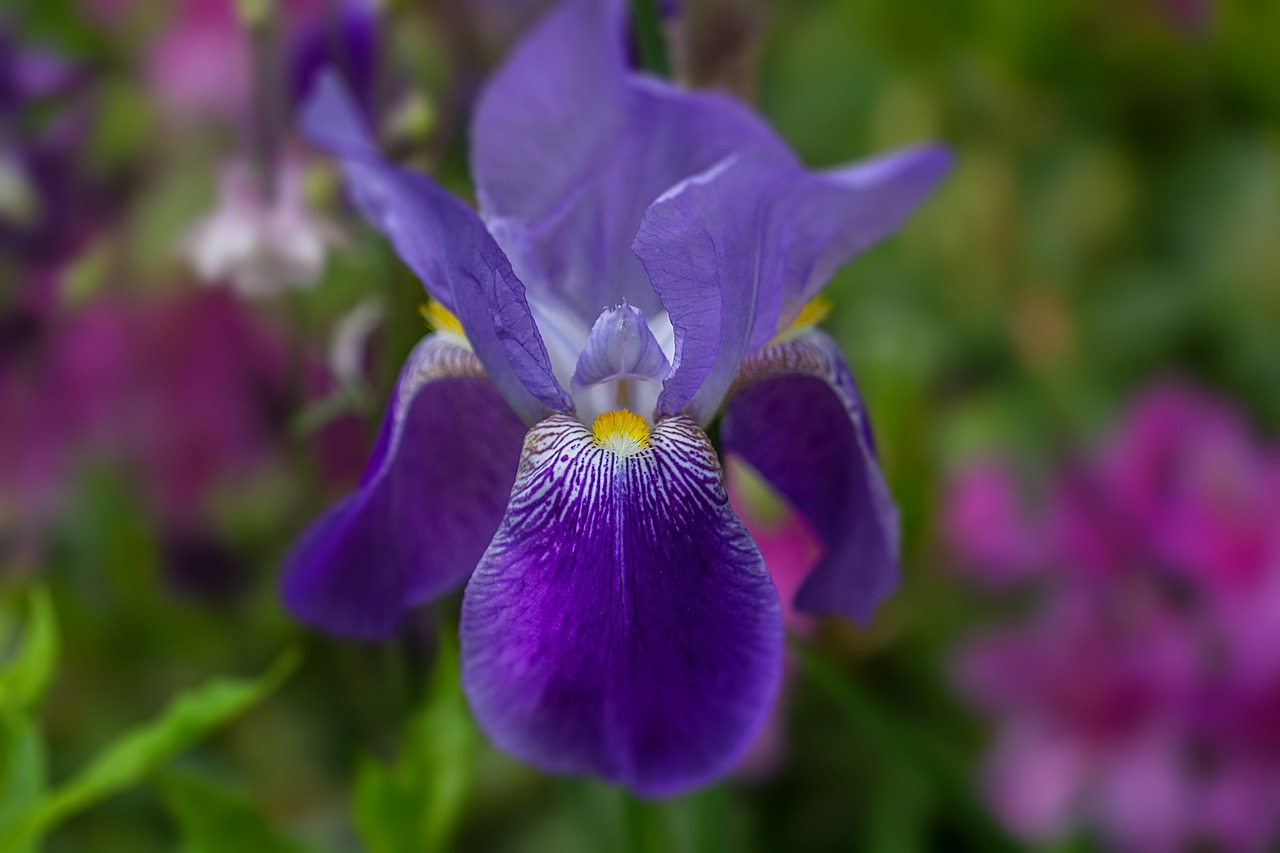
(1140, 697)
(46, 205)
(644, 264)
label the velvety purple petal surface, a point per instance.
(432, 496)
(620, 345)
(569, 148)
(797, 418)
(736, 251)
(447, 246)
(622, 622)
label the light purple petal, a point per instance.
(432, 495)
(448, 248)
(620, 345)
(622, 622)
(737, 250)
(797, 417)
(570, 148)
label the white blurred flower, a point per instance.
(260, 246)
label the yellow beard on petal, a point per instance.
(622, 431)
(443, 321)
(813, 313)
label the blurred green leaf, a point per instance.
(22, 773)
(215, 820)
(25, 676)
(906, 746)
(412, 804)
(136, 754)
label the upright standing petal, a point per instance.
(444, 242)
(570, 148)
(737, 250)
(622, 621)
(796, 416)
(431, 497)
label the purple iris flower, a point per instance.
(46, 204)
(643, 265)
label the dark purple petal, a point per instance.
(737, 250)
(448, 248)
(620, 345)
(622, 622)
(569, 150)
(345, 38)
(432, 495)
(796, 417)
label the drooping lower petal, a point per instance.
(448, 248)
(431, 497)
(622, 622)
(796, 416)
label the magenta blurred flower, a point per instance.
(183, 392)
(1139, 699)
(984, 520)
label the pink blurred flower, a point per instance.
(200, 65)
(186, 393)
(1139, 697)
(985, 521)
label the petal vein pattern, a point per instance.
(622, 621)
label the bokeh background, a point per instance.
(1071, 358)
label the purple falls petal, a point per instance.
(431, 497)
(737, 250)
(620, 345)
(622, 622)
(569, 149)
(797, 418)
(448, 248)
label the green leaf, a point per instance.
(215, 819)
(22, 773)
(135, 755)
(412, 804)
(26, 675)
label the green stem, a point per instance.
(642, 826)
(907, 748)
(647, 25)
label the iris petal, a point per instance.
(620, 345)
(570, 147)
(431, 497)
(796, 416)
(622, 622)
(739, 248)
(448, 248)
